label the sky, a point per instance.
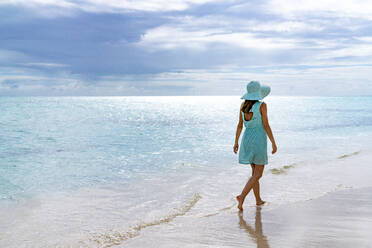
(185, 47)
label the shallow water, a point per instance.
(96, 171)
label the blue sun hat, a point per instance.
(256, 91)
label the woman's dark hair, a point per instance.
(247, 105)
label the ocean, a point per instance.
(100, 171)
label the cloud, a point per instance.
(335, 8)
(359, 51)
(44, 65)
(9, 56)
(106, 6)
(173, 37)
(96, 47)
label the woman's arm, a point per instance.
(265, 122)
(238, 131)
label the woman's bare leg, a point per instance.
(257, 174)
(256, 190)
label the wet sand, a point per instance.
(339, 219)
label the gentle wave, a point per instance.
(9, 189)
(222, 209)
(116, 237)
(282, 170)
(348, 155)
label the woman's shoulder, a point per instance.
(261, 103)
(262, 106)
(241, 106)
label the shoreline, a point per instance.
(213, 221)
(339, 219)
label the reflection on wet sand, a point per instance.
(256, 233)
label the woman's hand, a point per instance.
(274, 148)
(236, 148)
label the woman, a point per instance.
(253, 147)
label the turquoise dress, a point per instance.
(253, 146)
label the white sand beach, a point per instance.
(339, 219)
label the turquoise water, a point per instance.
(157, 147)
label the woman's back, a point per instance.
(253, 148)
(253, 118)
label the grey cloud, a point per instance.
(13, 84)
(87, 47)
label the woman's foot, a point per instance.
(240, 203)
(259, 203)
